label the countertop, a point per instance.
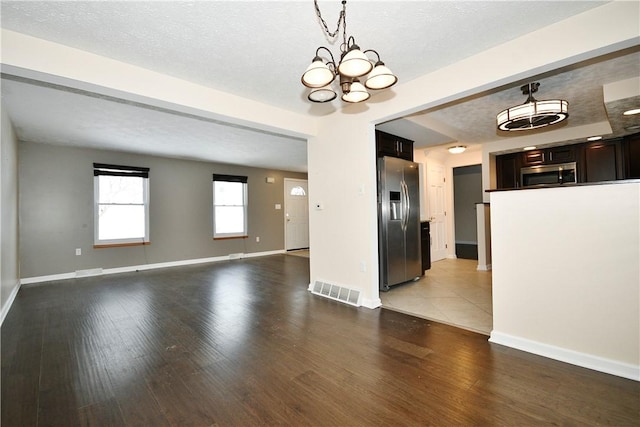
(580, 184)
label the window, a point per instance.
(229, 206)
(121, 205)
(298, 191)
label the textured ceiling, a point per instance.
(472, 121)
(258, 50)
(50, 114)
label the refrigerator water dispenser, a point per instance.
(395, 212)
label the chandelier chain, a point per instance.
(342, 20)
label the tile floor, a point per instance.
(452, 292)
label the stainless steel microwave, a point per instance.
(564, 173)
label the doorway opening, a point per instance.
(454, 291)
(467, 194)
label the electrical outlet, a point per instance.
(78, 251)
(258, 239)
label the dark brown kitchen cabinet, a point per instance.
(533, 157)
(606, 160)
(564, 154)
(393, 146)
(603, 161)
(549, 156)
(631, 150)
(508, 170)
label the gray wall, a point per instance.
(56, 210)
(467, 191)
(9, 267)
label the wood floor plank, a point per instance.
(103, 414)
(244, 343)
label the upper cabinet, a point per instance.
(549, 156)
(508, 170)
(564, 154)
(393, 146)
(533, 157)
(606, 160)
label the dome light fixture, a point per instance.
(457, 149)
(533, 114)
(353, 64)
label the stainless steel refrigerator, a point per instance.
(398, 222)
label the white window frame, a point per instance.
(120, 171)
(245, 199)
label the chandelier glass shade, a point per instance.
(533, 114)
(356, 93)
(353, 64)
(381, 77)
(317, 74)
(322, 94)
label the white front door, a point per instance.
(435, 195)
(296, 214)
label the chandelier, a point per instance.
(532, 114)
(353, 65)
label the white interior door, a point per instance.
(437, 213)
(296, 214)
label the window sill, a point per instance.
(120, 245)
(230, 237)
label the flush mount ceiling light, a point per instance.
(631, 112)
(457, 149)
(533, 114)
(353, 64)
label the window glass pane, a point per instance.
(298, 191)
(229, 219)
(120, 189)
(121, 222)
(228, 193)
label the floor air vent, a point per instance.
(338, 293)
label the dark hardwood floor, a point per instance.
(244, 343)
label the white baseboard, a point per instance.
(485, 267)
(132, 268)
(371, 303)
(7, 305)
(589, 361)
(48, 278)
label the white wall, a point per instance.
(566, 274)
(9, 267)
(342, 177)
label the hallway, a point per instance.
(452, 292)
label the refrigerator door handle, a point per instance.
(406, 195)
(405, 204)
